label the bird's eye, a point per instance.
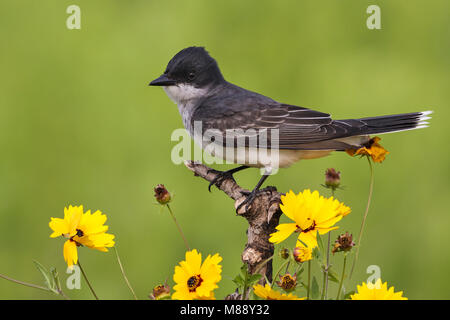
(191, 75)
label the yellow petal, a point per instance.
(288, 204)
(73, 218)
(181, 275)
(59, 227)
(70, 253)
(377, 291)
(284, 231)
(308, 238)
(96, 241)
(194, 261)
(93, 223)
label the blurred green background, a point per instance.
(79, 125)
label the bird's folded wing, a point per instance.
(296, 127)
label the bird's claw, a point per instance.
(220, 177)
(248, 200)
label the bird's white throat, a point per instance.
(182, 93)
(186, 97)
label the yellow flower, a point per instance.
(311, 213)
(377, 291)
(268, 293)
(372, 149)
(302, 253)
(195, 280)
(81, 229)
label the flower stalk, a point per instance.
(342, 277)
(123, 274)
(87, 281)
(308, 289)
(327, 267)
(278, 272)
(179, 228)
(364, 217)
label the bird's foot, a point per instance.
(220, 178)
(248, 200)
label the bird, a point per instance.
(284, 133)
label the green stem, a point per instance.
(267, 280)
(87, 281)
(24, 283)
(325, 271)
(63, 294)
(123, 274)
(278, 272)
(297, 268)
(342, 277)
(324, 284)
(287, 267)
(262, 264)
(245, 290)
(179, 228)
(309, 280)
(364, 218)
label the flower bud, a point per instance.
(332, 178)
(284, 253)
(161, 194)
(160, 292)
(302, 254)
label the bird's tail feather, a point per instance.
(397, 122)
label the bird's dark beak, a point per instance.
(163, 80)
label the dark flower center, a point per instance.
(79, 234)
(313, 225)
(194, 282)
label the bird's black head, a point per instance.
(192, 66)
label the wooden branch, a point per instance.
(262, 216)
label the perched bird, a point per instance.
(194, 82)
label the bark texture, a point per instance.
(262, 216)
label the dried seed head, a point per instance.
(161, 194)
(332, 178)
(287, 282)
(343, 243)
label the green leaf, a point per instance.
(320, 243)
(239, 281)
(314, 288)
(299, 272)
(302, 242)
(333, 276)
(254, 278)
(55, 277)
(316, 254)
(244, 270)
(48, 277)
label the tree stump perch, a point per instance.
(262, 216)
